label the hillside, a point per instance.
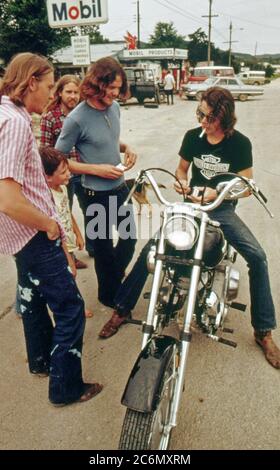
(260, 58)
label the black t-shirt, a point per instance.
(232, 154)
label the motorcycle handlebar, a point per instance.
(226, 191)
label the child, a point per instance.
(55, 164)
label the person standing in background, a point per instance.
(169, 85)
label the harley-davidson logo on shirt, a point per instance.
(210, 165)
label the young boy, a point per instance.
(57, 172)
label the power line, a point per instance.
(251, 22)
(185, 14)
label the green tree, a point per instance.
(94, 34)
(269, 71)
(197, 46)
(165, 35)
(198, 50)
(24, 27)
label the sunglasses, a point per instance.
(201, 115)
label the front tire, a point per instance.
(152, 431)
(243, 97)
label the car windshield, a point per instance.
(209, 81)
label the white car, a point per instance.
(233, 84)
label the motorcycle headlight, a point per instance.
(181, 232)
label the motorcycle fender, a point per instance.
(143, 387)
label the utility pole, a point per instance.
(256, 48)
(230, 42)
(138, 25)
(210, 16)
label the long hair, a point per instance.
(18, 73)
(222, 103)
(100, 75)
(59, 87)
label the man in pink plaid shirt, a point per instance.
(31, 231)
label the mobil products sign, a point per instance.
(64, 13)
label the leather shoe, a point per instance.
(111, 327)
(271, 351)
(90, 391)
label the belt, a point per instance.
(93, 192)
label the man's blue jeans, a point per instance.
(44, 278)
(241, 238)
(110, 261)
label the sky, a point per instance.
(255, 23)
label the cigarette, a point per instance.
(202, 133)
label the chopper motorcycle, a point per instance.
(194, 284)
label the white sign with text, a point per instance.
(81, 50)
(65, 13)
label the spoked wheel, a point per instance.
(152, 431)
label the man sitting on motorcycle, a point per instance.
(217, 149)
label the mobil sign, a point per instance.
(64, 13)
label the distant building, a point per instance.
(63, 58)
(155, 59)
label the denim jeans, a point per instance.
(110, 261)
(44, 278)
(131, 288)
(241, 238)
(75, 187)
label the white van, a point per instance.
(200, 74)
(253, 77)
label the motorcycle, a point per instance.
(194, 286)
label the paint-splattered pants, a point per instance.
(45, 279)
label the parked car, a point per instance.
(237, 88)
(253, 77)
(142, 84)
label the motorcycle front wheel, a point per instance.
(152, 431)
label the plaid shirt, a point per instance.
(51, 125)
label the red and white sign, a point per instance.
(64, 13)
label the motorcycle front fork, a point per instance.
(186, 335)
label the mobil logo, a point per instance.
(76, 12)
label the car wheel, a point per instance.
(198, 96)
(243, 97)
(256, 83)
